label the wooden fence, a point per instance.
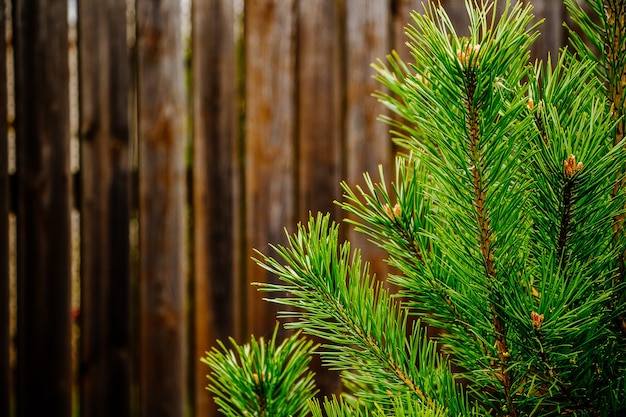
(191, 153)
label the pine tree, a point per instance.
(505, 220)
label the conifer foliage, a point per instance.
(505, 220)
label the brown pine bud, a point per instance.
(537, 319)
(397, 211)
(571, 167)
(465, 55)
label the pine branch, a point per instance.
(572, 213)
(366, 330)
(609, 39)
(469, 58)
(405, 234)
(337, 408)
(262, 378)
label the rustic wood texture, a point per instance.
(105, 186)
(553, 33)
(216, 286)
(401, 17)
(5, 336)
(320, 127)
(368, 142)
(43, 208)
(270, 200)
(161, 118)
(320, 95)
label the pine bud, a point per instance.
(571, 167)
(395, 213)
(388, 211)
(537, 319)
(464, 55)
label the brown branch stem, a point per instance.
(485, 241)
(565, 223)
(615, 48)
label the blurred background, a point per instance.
(147, 147)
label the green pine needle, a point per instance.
(262, 378)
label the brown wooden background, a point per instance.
(141, 164)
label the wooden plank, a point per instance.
(320, 115)
(5, 336)
(319, 108)
(368, 142)
(553, 33)
(401, 17)
(105, 266)
(269, 142)
(43, 214)
(162, 196)
(216, 285)
(401, 11)
(457, 12)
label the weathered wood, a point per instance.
(553, 33)
(43, 217)
(458, 15)
(320, 134)
(319, 108)
(368, 142)
(216, 285)
(401, 17)
(5, 336)
(270, 130)
(162, 190)
(105, 251)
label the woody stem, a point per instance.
(485, 240)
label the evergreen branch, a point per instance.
(615, 63)
(334, 407)
(564, 227)
(609, 39)
(482, 219)
(339, 301)
(512, 246)
(403, 233)
(262, 378)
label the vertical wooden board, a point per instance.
(269, 142)
(553, 33)
(215, 176)
(320, 98)
(402, 11)
(319, 108)
(161, 120)
(401, 18)
(5, 337)
(368, 142)
(43, 217)
(457, 12)
(105, 267)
